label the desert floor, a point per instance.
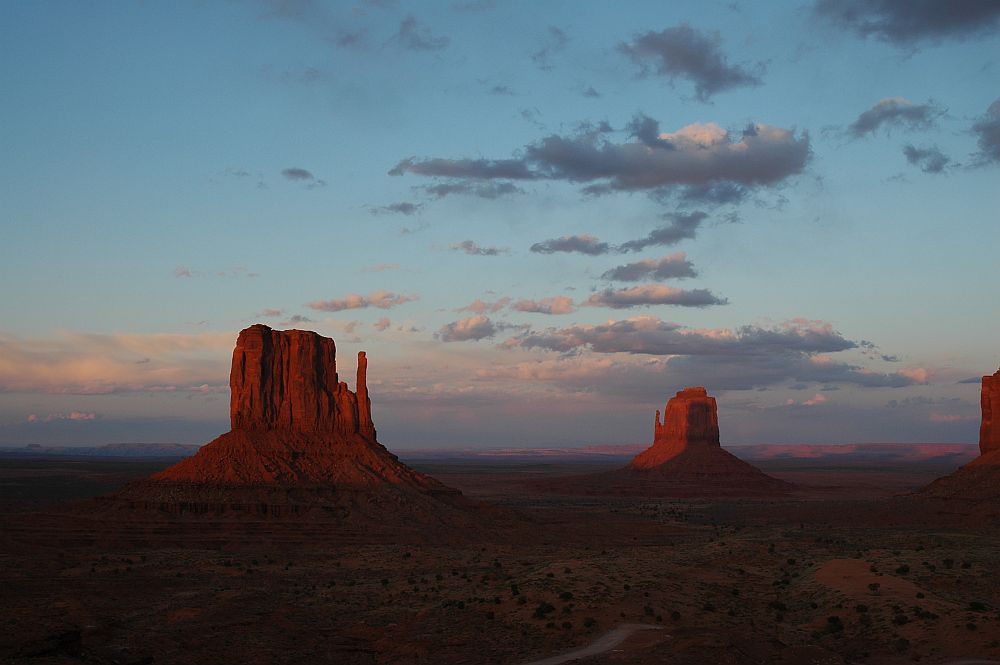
(844, 571)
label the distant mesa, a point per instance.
(301, 442)
(978, 482)
(685, 460)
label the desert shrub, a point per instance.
(589, 622)
(543, 610)
(903, 570)
(566, 595)
(834, 624)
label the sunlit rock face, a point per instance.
(691, 418)
(989, 430)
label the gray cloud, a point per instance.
(715, 193)
(682, 226)
(907, 22)
(297, 174)
(416, 37)
(672, 266)
(591, 92)
(581, 244)
(895, 112)
(987, 130)
(555, 42)
(401, 208)
(472, 329)
(473, 248)
(683, 52)
(929, 159)
(653, 294)
(699, 154)
(653, 336)
(484, 190)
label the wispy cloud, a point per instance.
(473, 248)
(378, 299)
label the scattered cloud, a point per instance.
(382, 324)
(381, 267)
(909, 23)
(695, 155)
(478, 306)
(484, 190)
(653, 294)
(75, 416)
(297, 319)
(555, 41)
(683, 52)
(589, 91)
(682, 226)
(895, 112)
(581, 244)
(415, 37)
(987, 130)
(929, 159)
(672, 266)
(401, 208)
(271, 313)
(232, 273)
(473, 248)
(378, 299)
(296, 174)
(181, 271)
(549, 305)
(473, 328)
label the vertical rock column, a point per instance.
(989, 430)
(365, 425)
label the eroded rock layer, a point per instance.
(300, 440)
(989, 429)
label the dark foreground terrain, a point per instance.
(840, 572)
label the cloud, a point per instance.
(382, 324)
(695, 155)
(96, 364)
(729, 359)
(653, 294)
(987, 130)
(415, 37)
(473, 328)
(271, 313)
(181, 271)
(930, 159)
(478, 306)
(653, 336)
(815, 400)
(234, 273)
(682, 226)
(589, 91)
(895, 112)
(381, 267)
(683, 52)
(581, 244)
(549, 305)
(380, 299)
(296, 319)
(484, 190)
(73, 416)
(555, 42)
(473, 248)
(297, 174)
(672, 266)
(716, 193)
(905, 23)
(401, 208)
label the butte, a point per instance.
(978, 482)
(686, 460)
(301, 444)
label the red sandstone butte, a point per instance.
(978, 482)
(300, 437)
(685, 460)
(989, 429)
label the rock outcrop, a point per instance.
(989, 428)
(685, 460)
(977, 484)
(300, 441)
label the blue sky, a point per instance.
(174, 172)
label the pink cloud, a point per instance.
(379, 299)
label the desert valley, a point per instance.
(297, 537)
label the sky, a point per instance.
(540, 220)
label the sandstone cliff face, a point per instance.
(685, 460)
(691, 418)
(288, 380)
(299, 437)
(989, 429)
